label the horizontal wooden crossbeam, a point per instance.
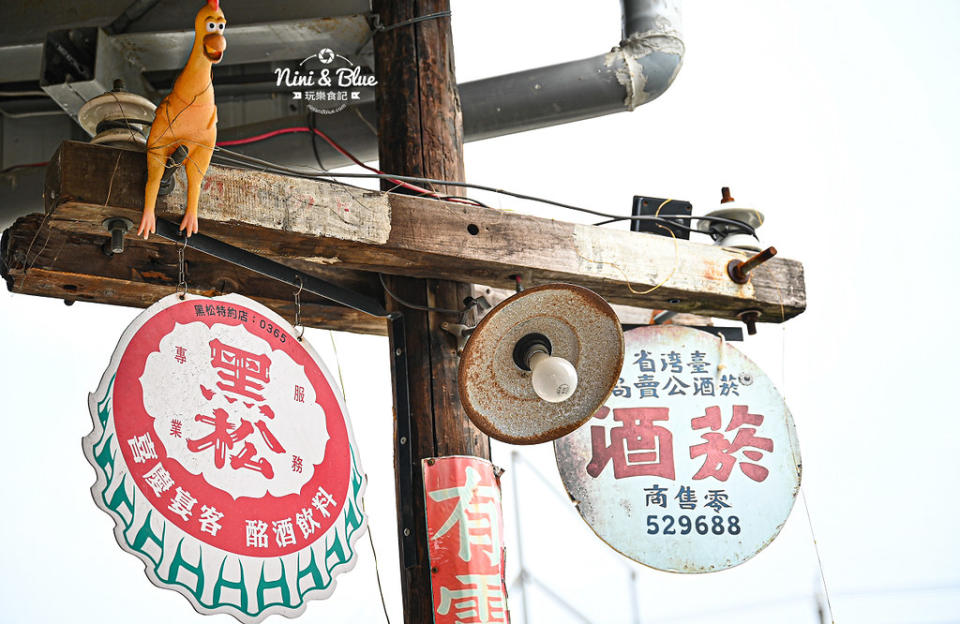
(37, 259)
(322, 226)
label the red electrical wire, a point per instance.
(24, 166)
(344, 152)
(262, 137)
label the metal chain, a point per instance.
(182, 283)
(296, 317)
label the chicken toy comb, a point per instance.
(214, 4)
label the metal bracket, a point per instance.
(477, 308)
(460, 331)
(275, 270)
(406, 469)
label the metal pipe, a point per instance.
(633, 73)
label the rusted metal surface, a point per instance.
(693, 463)
(498, 395)
(738, 270)
(750, 319)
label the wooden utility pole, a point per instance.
(421, 134)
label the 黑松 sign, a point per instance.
(693, 464)
(224, 455)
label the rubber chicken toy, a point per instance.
(187, 117)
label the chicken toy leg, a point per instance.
(187, 117)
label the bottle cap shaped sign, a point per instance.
(224, 455)
(692, 465)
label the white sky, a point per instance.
(838, 120)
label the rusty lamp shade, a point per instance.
(561, 320)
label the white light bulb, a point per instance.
(554, 378)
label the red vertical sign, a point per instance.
(465, 537)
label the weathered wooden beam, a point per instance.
(37, 259)
(327, 224)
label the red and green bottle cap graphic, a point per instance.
(224, 454)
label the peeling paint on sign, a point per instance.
(693, 464)
(465, 539)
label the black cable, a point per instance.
(132, 13)
(469, 199)
(662, 221)
(413, 306)
(312, 124)
(378, 27)
(268, 166)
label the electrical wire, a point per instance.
(363, 502)
(312, 121)
(404, 181)
(454, 198)
(32, 114)
(23, 166)
(275, 168)
(23, 93)
(343, 151)
(413, 306)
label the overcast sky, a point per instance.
(839, 121)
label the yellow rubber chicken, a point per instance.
(187, 117)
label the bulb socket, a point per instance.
(527, 346)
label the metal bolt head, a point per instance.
(750, 318)
(406, 532)
(403, 440)
(117, 226)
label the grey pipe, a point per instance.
(633, 73)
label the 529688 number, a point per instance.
(702, 525)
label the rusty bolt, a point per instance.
(738, 270)
(750, 318)
(434, 569)
(431, 461)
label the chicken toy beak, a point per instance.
(213, 46)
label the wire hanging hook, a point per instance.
(182, 283)
(296, 317)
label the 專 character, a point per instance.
(187, 117)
